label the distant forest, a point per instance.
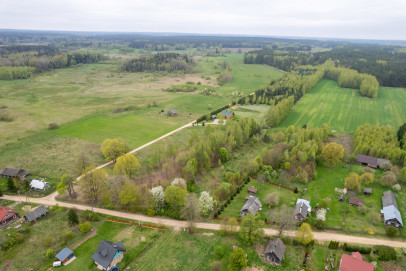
(159, 62)
(386, 63)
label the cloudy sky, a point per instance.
(364, 19)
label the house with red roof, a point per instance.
(354, 262)
(7, 215)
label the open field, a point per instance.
(344, 109)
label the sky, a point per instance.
(358, 19)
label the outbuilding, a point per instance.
(356, 201)
(10, 172)
(367, 191)
(40, 185)
(65, 256)
(36, 214)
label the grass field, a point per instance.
(344, 109)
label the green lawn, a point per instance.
(257, 112)
(344, 109)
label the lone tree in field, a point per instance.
(237, 260)
(332, 153)
(190, 211)
(112, 148)
(352, 182)
(127, 165)
(304, 234)
(251, 230)
(283, 217)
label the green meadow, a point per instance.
(344, 109)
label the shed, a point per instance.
(275, 251)
(252, 190)
(391, 216)
(253, 205)
(35, 214)
(367, 191)
(10, 172)
(172, 113)
(341, 198)
(351, 193)
(370, 161)
(356, 201)
(108, 254)
(389, 199)
(64, 255)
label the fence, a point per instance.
(136, 224)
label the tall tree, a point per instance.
(127, 165)
(129, 194)
(112, 148)
(283, 217)
(304, 234)
(190, 211)
(332, 153)
(206, 203)
(251, 230)
(175, 196)
(93, 183)
(352, 182)
(68, 183)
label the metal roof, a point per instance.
(389, 199)
(305, 202)
(63, 254)
(37, 213)
(390, 212)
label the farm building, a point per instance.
(355, 201)
(40, 185)
(65, 256)
(9, 172)
(275, 251)
(227, 114)
(390, 210)
(7, 215)
(172, 113)
(36, 214)
(108, 254)
(367, 191)
(252, 190)
(354, 262)
(370, 161)
(252, 205)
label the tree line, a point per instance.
(386, 63)
(159, 62)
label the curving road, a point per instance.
(320, 236)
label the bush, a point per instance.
(364, 249)
(386, 166)
(319, 224)
(50, 253)
(397, 187)
(85, 227)
(391, 231)
(49, 241)
(66, 237)
(296, 190)
(218, 252)
(385, 253)
(73, 217)
(53, 126)
(333, 245)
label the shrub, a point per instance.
(386, 166)
(389, 178)
(49, 241)
(319, 224)
(66, 237)
(385, 253)
(50, 253)
(333, 245)
(218, 252)
(296, 190)
(73, 217)
(391, 231)
(85, 227)
(364, 249)
(397, 187)
(53, 126)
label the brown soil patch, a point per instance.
(7, 265)
(26, 208)
(93, 233)
(178, 80)
(345, 140)
(120, 56)
(390, 266)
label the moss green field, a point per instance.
(344, 109)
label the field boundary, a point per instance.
(135, 224)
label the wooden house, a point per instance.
(7, 215)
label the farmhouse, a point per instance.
(370, 161)
(108, 254)
(65, 256)
(252, 205)
(356, 202)
(9, 172)
(36, 214)
(227, 114)
(302, 209)
(172, 113)
(275, 251)
(40, 185)
(367, 191)
(354, 262)
(390, 211)
(7, 215)
(252, 190)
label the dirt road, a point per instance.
(320, 236)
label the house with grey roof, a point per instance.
(275, 251)
(9, 172)
(108, 254)
(252, 205)
(172, 113)
(302, 209)
(390, 211)
(227, 114)
(36, 214)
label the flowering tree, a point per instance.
(206, 203)
(159, 196)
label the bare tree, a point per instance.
(283, 217)
(191, 211)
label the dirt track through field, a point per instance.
(320, 236)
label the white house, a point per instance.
(39, 185)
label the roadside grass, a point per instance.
(318, 258)
(344, 109)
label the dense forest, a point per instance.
(159, 62)
(386, 63)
